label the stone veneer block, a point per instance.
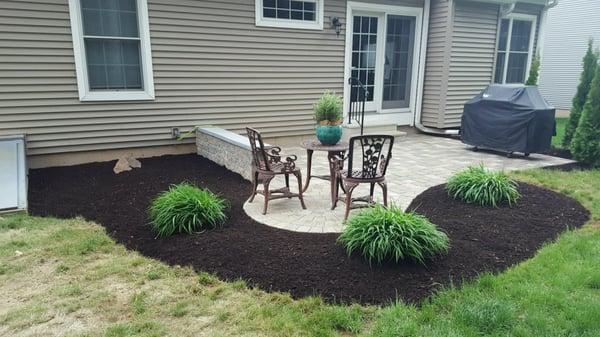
(225, 148)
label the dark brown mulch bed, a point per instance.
(557, 152)
(566, 154)
(482, 239)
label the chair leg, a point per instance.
(349, 190)
(371, 192)
(300, 196)
(384, 189)
(254, 185)
(287, 184)
(266, 193)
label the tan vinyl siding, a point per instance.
(473, 45)
(436, 64)
(460, 56)
(211, 66)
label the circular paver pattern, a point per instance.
(418, 163)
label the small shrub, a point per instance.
(586, 142)
(590, 63)
(476, 185)
(534, 73)
(328, 109)
(380, 233)
(184, 208)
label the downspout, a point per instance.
(418, 106)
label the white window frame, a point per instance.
(290, 23)
(83, 86)
(511, 17)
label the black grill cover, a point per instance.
(511, 118)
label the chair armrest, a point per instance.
(275, 156)
(275, 153)
(337, 162)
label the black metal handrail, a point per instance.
(358, 99)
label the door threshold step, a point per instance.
(377, 130)
(370, 124)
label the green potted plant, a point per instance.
(328, 114)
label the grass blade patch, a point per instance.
(185, 208)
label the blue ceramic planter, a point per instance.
(329, 134)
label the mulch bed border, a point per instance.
(300, 263)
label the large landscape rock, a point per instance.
(126, 163)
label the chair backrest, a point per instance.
(376, 152)
(259, 156)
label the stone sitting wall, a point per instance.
(225, 148)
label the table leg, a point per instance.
(309, 154)
(332, 175)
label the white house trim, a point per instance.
(406, 116)
(422, 60)
(290, 23)
(85, 94)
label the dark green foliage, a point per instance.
(476, 185)
(590, 63)
(381, 233)
(185, 208)
(534, 73)
(586, 142)
(328, 109)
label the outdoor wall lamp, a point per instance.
(336, 24)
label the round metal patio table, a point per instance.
(313, 145)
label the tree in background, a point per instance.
(586, 141)
(534, 73)
(590, 63)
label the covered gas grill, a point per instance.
(509, 118)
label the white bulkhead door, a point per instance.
(13, 181)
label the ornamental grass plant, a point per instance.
(379, 234)
(476, 185)
(185, 208)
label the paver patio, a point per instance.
(418, 163)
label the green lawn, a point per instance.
(68, 278)
(561, 124)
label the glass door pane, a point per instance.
(399, 46)
(364, 52)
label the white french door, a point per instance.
(366, 30)
(382, 44)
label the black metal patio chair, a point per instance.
(266, 165)
(376, 152)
